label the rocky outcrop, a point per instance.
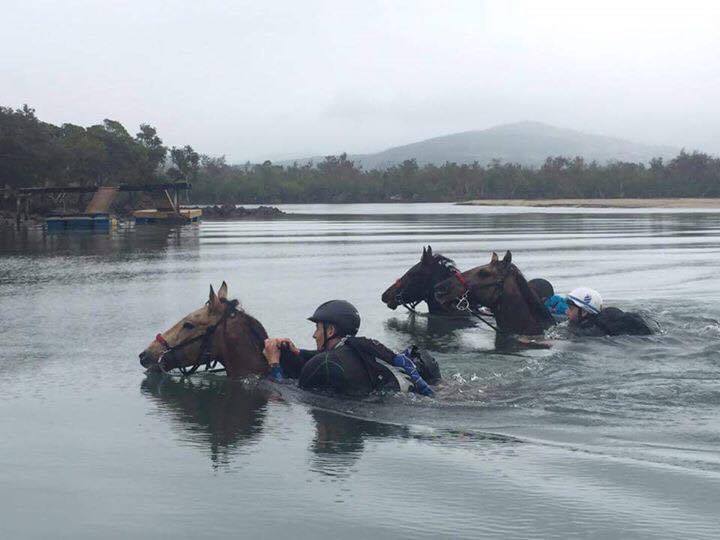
(230, 211)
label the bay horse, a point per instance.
(501, 287)
(417, 285)
(220, 332)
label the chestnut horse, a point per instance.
(220, 332)
(417, 285)
(500, 286)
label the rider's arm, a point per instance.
(408, 366)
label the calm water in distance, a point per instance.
(600, 438)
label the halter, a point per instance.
(209, 363)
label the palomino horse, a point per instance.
(218, 332)
(417, 285)
(501, 287)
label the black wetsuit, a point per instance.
(611, 321)
(349, 368)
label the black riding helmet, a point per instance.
(341, 314)
(542, 288)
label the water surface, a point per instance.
(598, 438)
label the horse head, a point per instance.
(481, 285)
(417, 284)
(500, 286)
(184, 343)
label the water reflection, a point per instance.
(428, 331)
(117, 243)
(340, 440)
(220, 414)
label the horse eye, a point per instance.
(188, 325)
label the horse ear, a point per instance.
(429, 251)
(494, 258)
(507, 259)
(213, 300)
(223, 291)
(427, 255)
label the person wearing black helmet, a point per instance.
(342, 362)
(556, 304)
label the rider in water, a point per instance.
(588, 317)
(342, 362)
(555, 303)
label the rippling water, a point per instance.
(596, 438)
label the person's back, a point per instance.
(588, 317)
(617, 322)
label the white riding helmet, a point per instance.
(586, 299)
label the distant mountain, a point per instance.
(527, 143)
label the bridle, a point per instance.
(400, 301)
(463, 302)
(205, 338)
(410, 306)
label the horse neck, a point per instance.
(237, 348)
(438, 275)
(513, 314)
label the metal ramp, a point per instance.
(101, 201)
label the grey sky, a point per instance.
(277, 79)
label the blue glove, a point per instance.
(407, 365)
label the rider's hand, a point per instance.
(272, 351)
(286, 343)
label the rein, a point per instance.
(206, 337)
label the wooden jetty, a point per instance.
(97, 216)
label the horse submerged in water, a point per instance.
(418, 285)
(520, 316)
(219, 332)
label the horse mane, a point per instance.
(257, 330)
(537, 308)
(444, 261)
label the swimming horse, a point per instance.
(520, 317)
(219, 332)
(417, 285)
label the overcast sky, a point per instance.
(256, 80)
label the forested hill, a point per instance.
(36, 153)
(525, 143)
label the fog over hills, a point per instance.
(526, 143)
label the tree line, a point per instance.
(36, 153)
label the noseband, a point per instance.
(410, 306)
(206, 337)
(400, 301)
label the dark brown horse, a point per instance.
(500, 286)
(218, 332)
(417, 285)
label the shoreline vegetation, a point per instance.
(35, 153)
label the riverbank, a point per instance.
(598, 203)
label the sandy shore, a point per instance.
(599, 203)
